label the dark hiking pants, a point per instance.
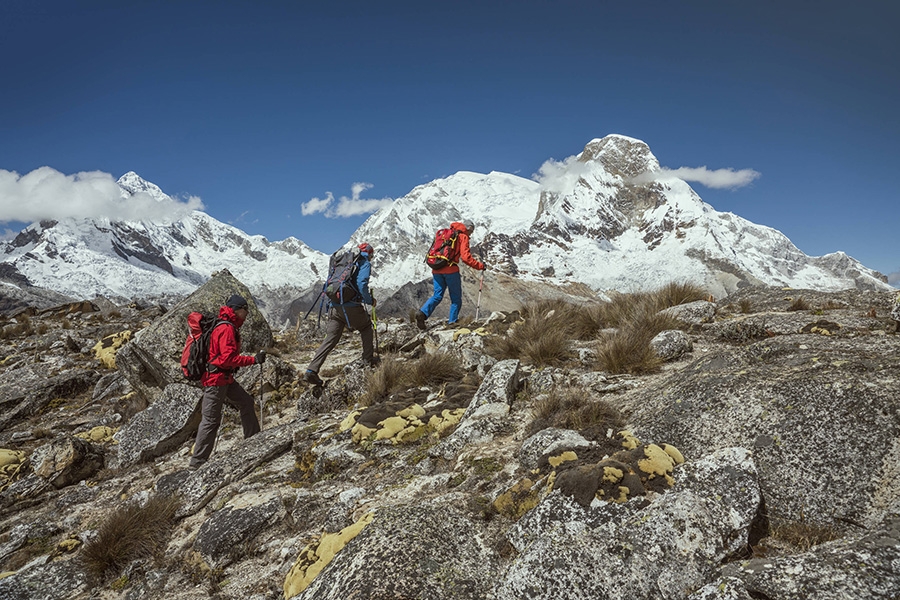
(354, 317)
(214, 397)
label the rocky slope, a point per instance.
(758, 462)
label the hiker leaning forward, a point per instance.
(218, 381)
(449, 279)
(351, 315)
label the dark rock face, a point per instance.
(66, 460)
(228, 528)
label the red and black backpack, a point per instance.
(195, 356)
(444, 251)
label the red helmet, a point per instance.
(367, 248)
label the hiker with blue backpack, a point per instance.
(347, 290)
(450, 247)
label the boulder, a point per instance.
(655, 547)
(821, 417)
(671, 344)
(692, 313)
(160, 428)
(234, 525)
(152, 359)
(427, 550)
(66, 460)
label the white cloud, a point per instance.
(561, 176)
(345, 207)
(45, 193)
(717, 179)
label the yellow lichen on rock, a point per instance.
(449, 418)
(566, 456)
(105, 350)
(316, 556)
(413, 411)
(517, 500)
(657, 461)
(623, 495)
(10, 457)
(98, 434)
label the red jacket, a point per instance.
(464, 254)
(225, 351)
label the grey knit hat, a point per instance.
(236, 302)
(469, 225)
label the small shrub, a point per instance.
(130, 532)
(390, 375)
(798, 303)
(542, 338)
(628, 350)
(746, 306)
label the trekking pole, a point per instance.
(261, 401)
(478, 304)
(375, 327)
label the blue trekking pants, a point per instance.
(443, 282)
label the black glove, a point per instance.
(260, 357)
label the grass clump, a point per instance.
(628, 349)
(128, 533)
(393, 375)
(802, 534)
(572, 408)
(798, 303)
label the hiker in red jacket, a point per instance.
(218, 381)
(448, 278)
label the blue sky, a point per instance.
(257, 108)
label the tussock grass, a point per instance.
(674, 293)
(746, 306)
(572, 408)
(394, 375)
(128, 533)
(802, 534)
(798, 303)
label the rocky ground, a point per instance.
(760, 461)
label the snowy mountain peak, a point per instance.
(132, 183)
(620, 155)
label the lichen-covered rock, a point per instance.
(428, 550)
(821, 417)
(671, 344)
(500, 385)
(66, 460)
(105, 350)
(338, 393)
(692, 313)
(198, 487)
(58, 580)
(152, 359)
(862, 566)
(235, 524)
(26, 390)
(160, 428)
(656, 547)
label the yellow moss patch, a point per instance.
(674, 452)
(390, 427)
(360, 432)
(623, 495)
(318, 554)
(566, 456)
(657, 461)
(449, 418)
(612, 474)
(105, 350)
(629, 442)
(350, 421)
(98, 434)
(68, 545)
(10, 457)
(7, 574)
(413, 411)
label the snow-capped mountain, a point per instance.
(83, 258)
(601, 220)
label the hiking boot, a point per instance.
(374, 361)
(420, 320)
(313, 378)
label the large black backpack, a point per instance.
(343, 267)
